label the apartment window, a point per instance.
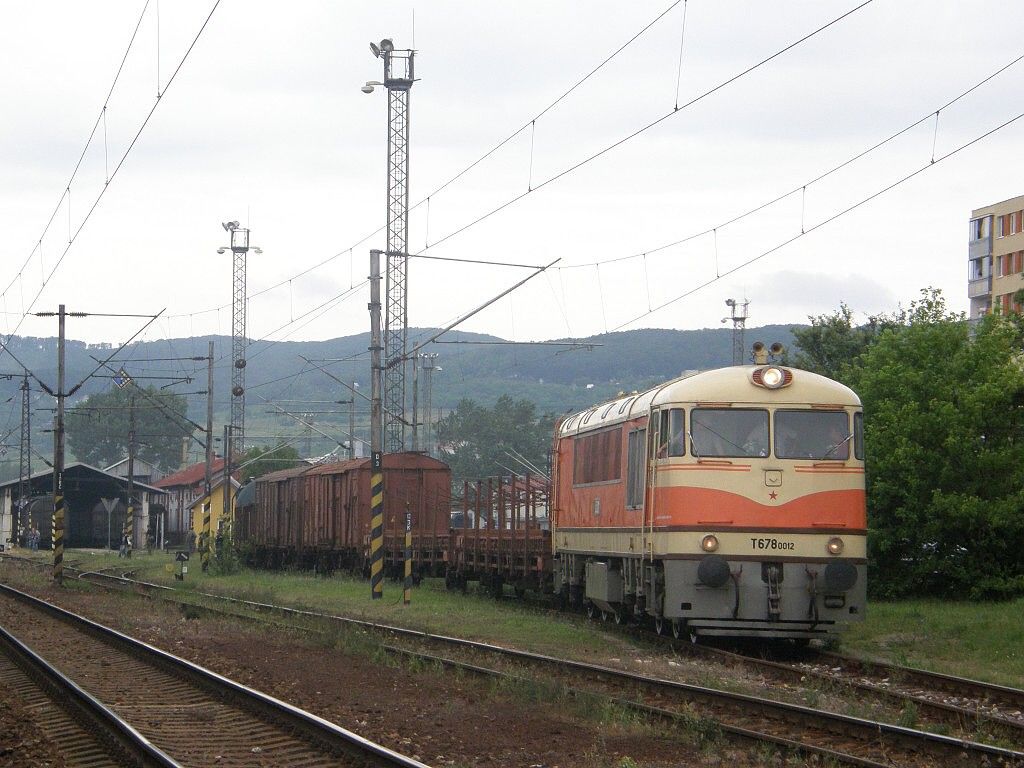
(1001, 227)
(635, 469)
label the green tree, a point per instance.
(476, 441)
(832, 342)
(97, 427)
(266, 460)
(944, 439)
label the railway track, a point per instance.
(189, 715)
(960, 703)
(843, 739)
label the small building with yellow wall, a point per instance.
(216, 509)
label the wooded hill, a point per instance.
(556, 378)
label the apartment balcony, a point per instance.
(979, 288)
(977, 249)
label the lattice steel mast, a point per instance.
(398, 79)
(239, 251)
(739, 324)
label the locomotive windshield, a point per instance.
(728, 432)
(812, 435)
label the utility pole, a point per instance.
(739, 323)
(57, 529)
(129, 520)
(239, 249)
(428, 366)
(25, 460)
(376, 437)
(208, 474)
(352, 425)
(399, 75)
(415, 401)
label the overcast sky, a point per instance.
(265, 123)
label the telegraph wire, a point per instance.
(803, 187)
(674, 111)
(869, 198)
(117, 168)
(453, 179)
(85, 149)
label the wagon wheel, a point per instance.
(659, 625)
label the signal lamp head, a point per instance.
(835, 546)
(709, 543)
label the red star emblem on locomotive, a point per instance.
(773, 495)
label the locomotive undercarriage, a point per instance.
(713, 596)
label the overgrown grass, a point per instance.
(979, 640)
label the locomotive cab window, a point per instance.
(858, 436)
(728, 432)
(822, 435)
(672, 434)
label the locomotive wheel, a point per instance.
(677, 628)
(659, 625)
(591, 611)
(604, 615)
(619, 616)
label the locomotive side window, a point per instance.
(858, 436)
(812, 435)
(597, 458)
(672, 434)
(635, 469)
(728, 432)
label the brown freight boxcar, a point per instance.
(320, 516)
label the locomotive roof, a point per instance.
(733, 385)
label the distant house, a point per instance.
(216, 508)
(183, 488)
(143, 471)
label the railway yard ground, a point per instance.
(389, 690)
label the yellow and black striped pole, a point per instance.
(129, 529)
(377, 527)
(57, 534)
(204, 538)
(407, 586)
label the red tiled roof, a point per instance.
(190, 475)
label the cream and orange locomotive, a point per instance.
(727, 502)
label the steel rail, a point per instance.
(82, 706)
(310, 725)
(869, 730)
(952, 714)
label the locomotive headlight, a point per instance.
(709, 543)
(773, 378)
(835, 546)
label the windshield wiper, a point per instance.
(837, 446)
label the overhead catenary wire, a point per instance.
(830, 219)
(802, 188)
(458, 175)
(117, 167)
